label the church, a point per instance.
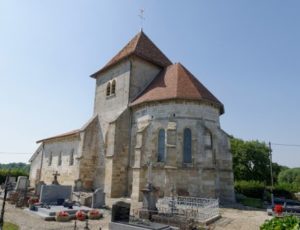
(147, 110)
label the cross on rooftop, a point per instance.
(141, 16)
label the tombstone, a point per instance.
(38, 187)
(98, 199)
(12, 179)
(22, 183)
(120, 212)
(55, 194)
(77, 185)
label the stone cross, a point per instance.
(56, 174)
(149, 164)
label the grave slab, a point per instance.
(50, 194)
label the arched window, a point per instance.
(187, 146)
(113, 87)
(161, 146)
(50, 159)
(59, 159)
(108, 89)
(71, 161)
(208, 140)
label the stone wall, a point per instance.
(210, 172)
(92, 158)
(64, 146)
(35, 167)
(142, 74)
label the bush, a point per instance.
(252, 189)
(291, 176)
(14, 173)
(282, 223)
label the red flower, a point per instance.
(278, 209)
(80, 215)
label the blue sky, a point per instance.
(246, 52)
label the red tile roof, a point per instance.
(176, 82)
(142, 47)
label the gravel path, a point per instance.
(29, 221)
(232, 219)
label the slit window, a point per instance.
(161, 146)
(187, 146)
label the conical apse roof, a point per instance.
(176, 82)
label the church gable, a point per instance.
(142, 47)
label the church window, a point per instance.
(187, 146)
(108, 89)
(71, 162)
(161, 146)
(113, 87)
(50, 159)
(208, 140)
(59, 159)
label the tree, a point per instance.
(251, 161)
(291, 176)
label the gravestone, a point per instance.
(22, 183)
(55, 194)
(120, 212)
(77, 185)
(98, 199)
(12, 179)
(38, 187)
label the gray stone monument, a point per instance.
(22, 183)
(38, 187)
(98, 199)
(55, 194)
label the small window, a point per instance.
(108, 89)
(113, 87)
(50, 159)
(187, 146)
(161, 146)
(59, 159)
(208, 140)
(71, 161)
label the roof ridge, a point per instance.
(141, 46)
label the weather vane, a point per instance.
(141, 16)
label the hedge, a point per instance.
(252, 189)
(14, 173)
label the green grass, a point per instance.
(252, 202)
(10, 226)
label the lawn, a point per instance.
(252, 202)
(10, 226)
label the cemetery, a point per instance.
(55, 202)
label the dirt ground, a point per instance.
(232, 219)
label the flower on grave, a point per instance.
(33, 200)
(94, 214)
(62, 216)
(278, 209)
(63, 213)
(80, 215)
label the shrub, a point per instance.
(289, 176)
(282, 223)
(14, 172)
(252, 189)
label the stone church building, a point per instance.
(146, 109)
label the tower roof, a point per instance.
(142, 47)
(176, 82)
